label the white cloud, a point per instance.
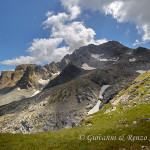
(41, 50)
(146, 29)
(75, 11)
(75, 35)
(20, 60)
(55, 19)
(136, 11)
(63, 28)
(137, 42)
(127, 32)
(115, 9)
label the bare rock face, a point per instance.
(26, 75)
(69, 96)
(69, 73)
(60, 106)
(27, 80)
(10, 78)
(24, 67)
(52, 109)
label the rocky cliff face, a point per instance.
(61, 106)
(10, 78)
(96, 56)
(69, 73)
(26, 81)
(22, 72)
(136, 94)
(67, 99)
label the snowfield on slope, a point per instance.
(97, 56)
(141, 71)
(44, 82)
(132, 59)
(87, 67)
(36, 92)
(54, 74)
(96, 107)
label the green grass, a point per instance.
(113, 124)
(138, 84)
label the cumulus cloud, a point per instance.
(55, 19)
(41, 50)
(63, 28)
(19, 60)
(72, 7)
(136, 42)
(136, 11)
(76, 35)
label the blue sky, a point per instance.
(41, 31)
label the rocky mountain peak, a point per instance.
(27, 80)
(69, 73)
(23, 67)
(141, 53)
(10, 78)
(68, 97)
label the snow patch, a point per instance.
(103, 59)
(44, 82)
(128, 53)
(87, 67)
(132, 59)
(141, 71)
(114, 59)
(36, 92)
(103, 88)
(97, 56)
(54, 74)
(18, 89)
(95, 108)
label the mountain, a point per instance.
(96, 56)
(69, 73)
(121, 124)
(62, 95)
(26, 81)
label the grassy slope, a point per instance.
(115, 123)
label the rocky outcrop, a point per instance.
(136, 94)
(21, 75)
(23, 67)
(67, 99)
(68, 73)
(60, 107)
(27, 80)
(10, 78)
